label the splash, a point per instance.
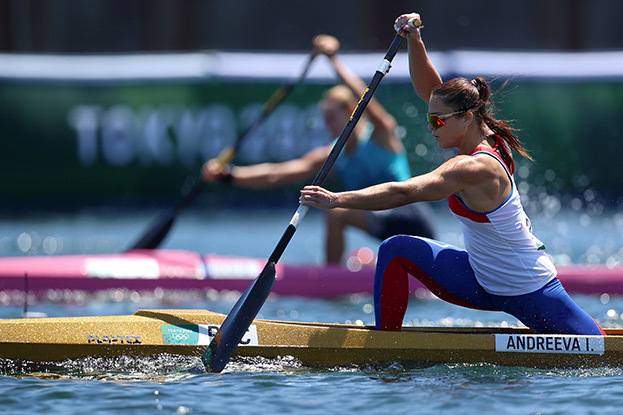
(158, 368)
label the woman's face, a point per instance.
(452, 132)
(335, 116)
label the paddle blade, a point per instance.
(159, 229)
(156, 233)
(238, 320)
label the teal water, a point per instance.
(173, 385)
(587, 233)
(440, 389)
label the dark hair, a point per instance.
(461, 94)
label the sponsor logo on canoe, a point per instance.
(111, 338)
(122, 268)
(201, 334)
(543, 343)
(233, 268)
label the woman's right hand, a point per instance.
(214, 170)
(318, 197)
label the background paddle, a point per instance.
(160, 227)
(248, 305)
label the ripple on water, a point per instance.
(175, 384)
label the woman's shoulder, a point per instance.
(473, 169)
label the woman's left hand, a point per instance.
(318, 197)
(402, 23)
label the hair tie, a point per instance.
(475, 82)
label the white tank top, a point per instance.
(506, 258)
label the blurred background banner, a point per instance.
(121, 101)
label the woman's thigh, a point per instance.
(549, 310)
(442, 268)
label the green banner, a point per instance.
(132, 139)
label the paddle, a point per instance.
(158, 230)
(248, 305)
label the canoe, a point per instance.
(149, 270)
(187, 332)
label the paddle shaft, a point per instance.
(228, 154)
(156, 233)
(339, 145)
(246, 308)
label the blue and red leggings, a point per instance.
(445, 270)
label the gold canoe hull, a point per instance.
(187, 332)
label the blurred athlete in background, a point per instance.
(373, 154)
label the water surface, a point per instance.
(174, 385)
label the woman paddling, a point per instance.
(374, 154)
(503, 267)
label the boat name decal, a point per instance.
(543, 343)
(232, 268)
(111, 338)
(122, 268)
(201, 334)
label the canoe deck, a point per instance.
(187, 332)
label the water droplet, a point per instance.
(24, 242)
(421, 150)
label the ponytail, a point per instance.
(464, 95)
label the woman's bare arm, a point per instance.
(424, 75)
(478, 177)
(267, 175)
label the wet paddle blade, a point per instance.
(160, 228)
(238, 320)
(156, 234)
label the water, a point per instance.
(174, 385)
(168, 384)
(441, 389)
(581, 235)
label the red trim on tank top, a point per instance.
(506, 158)
(457, 206)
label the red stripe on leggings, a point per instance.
(395, 292)
(600, 329)
(433, 286)
(394, 296)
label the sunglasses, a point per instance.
(437, 121)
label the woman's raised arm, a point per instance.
(423, 73)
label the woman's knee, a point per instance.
(335, 217)
(402, 245)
